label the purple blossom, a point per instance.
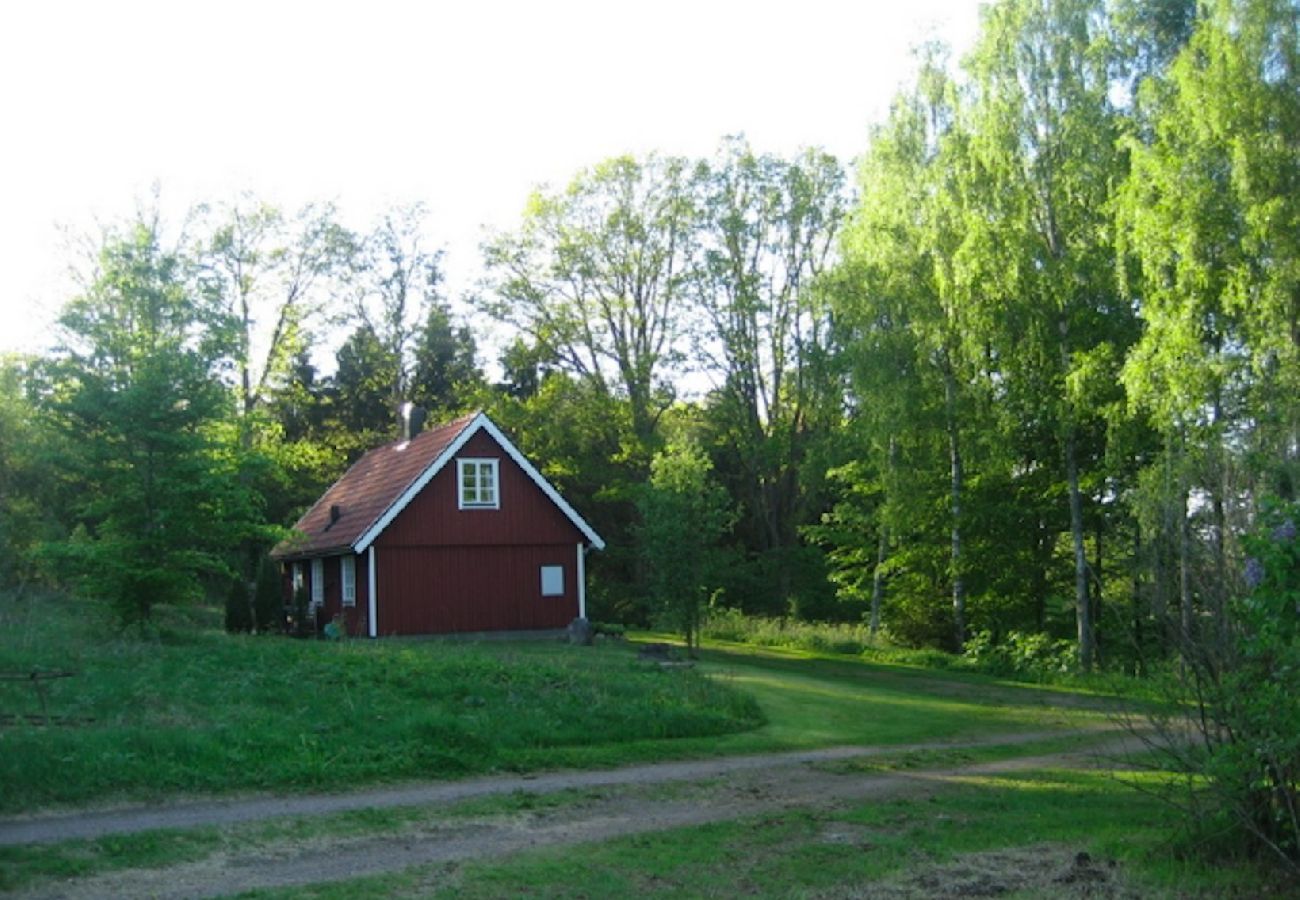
(1284, 532)
(1254, 573)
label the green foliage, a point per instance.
(238, 615)
(263, 610)
(136, 397)
(593, 278)
(1020, 654)
(30, 487)
(1242, 698)
(684, 514)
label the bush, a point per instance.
(1021, 654)
(268, 601)
(1241, 697)
(238, 616)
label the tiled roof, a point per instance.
(366, 491)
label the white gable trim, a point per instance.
(480, 423)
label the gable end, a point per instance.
(480, 423)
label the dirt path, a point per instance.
(708, 791)
(62, 826)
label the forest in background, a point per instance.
(1032, 372)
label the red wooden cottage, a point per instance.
(450, 531)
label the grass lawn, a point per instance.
(192, 710)
(198, 711)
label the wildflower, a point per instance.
(1284, 532)
(1254, 573)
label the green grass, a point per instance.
(731, 627)
(194, 711)
(836, 853)
(24, 866)
(190, 711)
(305, 714)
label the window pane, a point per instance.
(552, 581)
(318, 581)
(349, 568)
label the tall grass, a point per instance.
(820, 637)
(192, 710)
(1020, 657)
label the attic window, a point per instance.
(476, 484)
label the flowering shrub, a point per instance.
(1244, 701)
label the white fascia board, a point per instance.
(447, 454)
(542, 483)
(480, 422)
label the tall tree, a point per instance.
(1044, 135)
(684, 514)
(399, 291)
(1210, 216)
(272, 276)
(766, 230)
(445, 370)
(593, 278)
(907, 309)
(138, 397)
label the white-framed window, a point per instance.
(348, 577)
(297, 577)
(552, 581)
(476, 484)
(318, 582)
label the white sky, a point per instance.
(466, 106)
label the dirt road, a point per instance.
(616, 802)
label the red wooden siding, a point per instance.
(441, 590)
(526, 515)
(442, 569)
(354, 617)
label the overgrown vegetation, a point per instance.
(194, 710)
(1241, 766)
(1032, 657)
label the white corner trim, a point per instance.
(479, 423)
(582, 581)
(370, 594)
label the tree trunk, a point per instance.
(1187, 613)
(1135, 603)
(955, 462)
(1098, 646)
(878, 578)
(1082, 606)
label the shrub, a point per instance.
(1241, 697)
(268, 601)
(238, 616)
(1022, 654)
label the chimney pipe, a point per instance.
(404, 417)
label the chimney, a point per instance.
(412, 419)
(404, 418)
